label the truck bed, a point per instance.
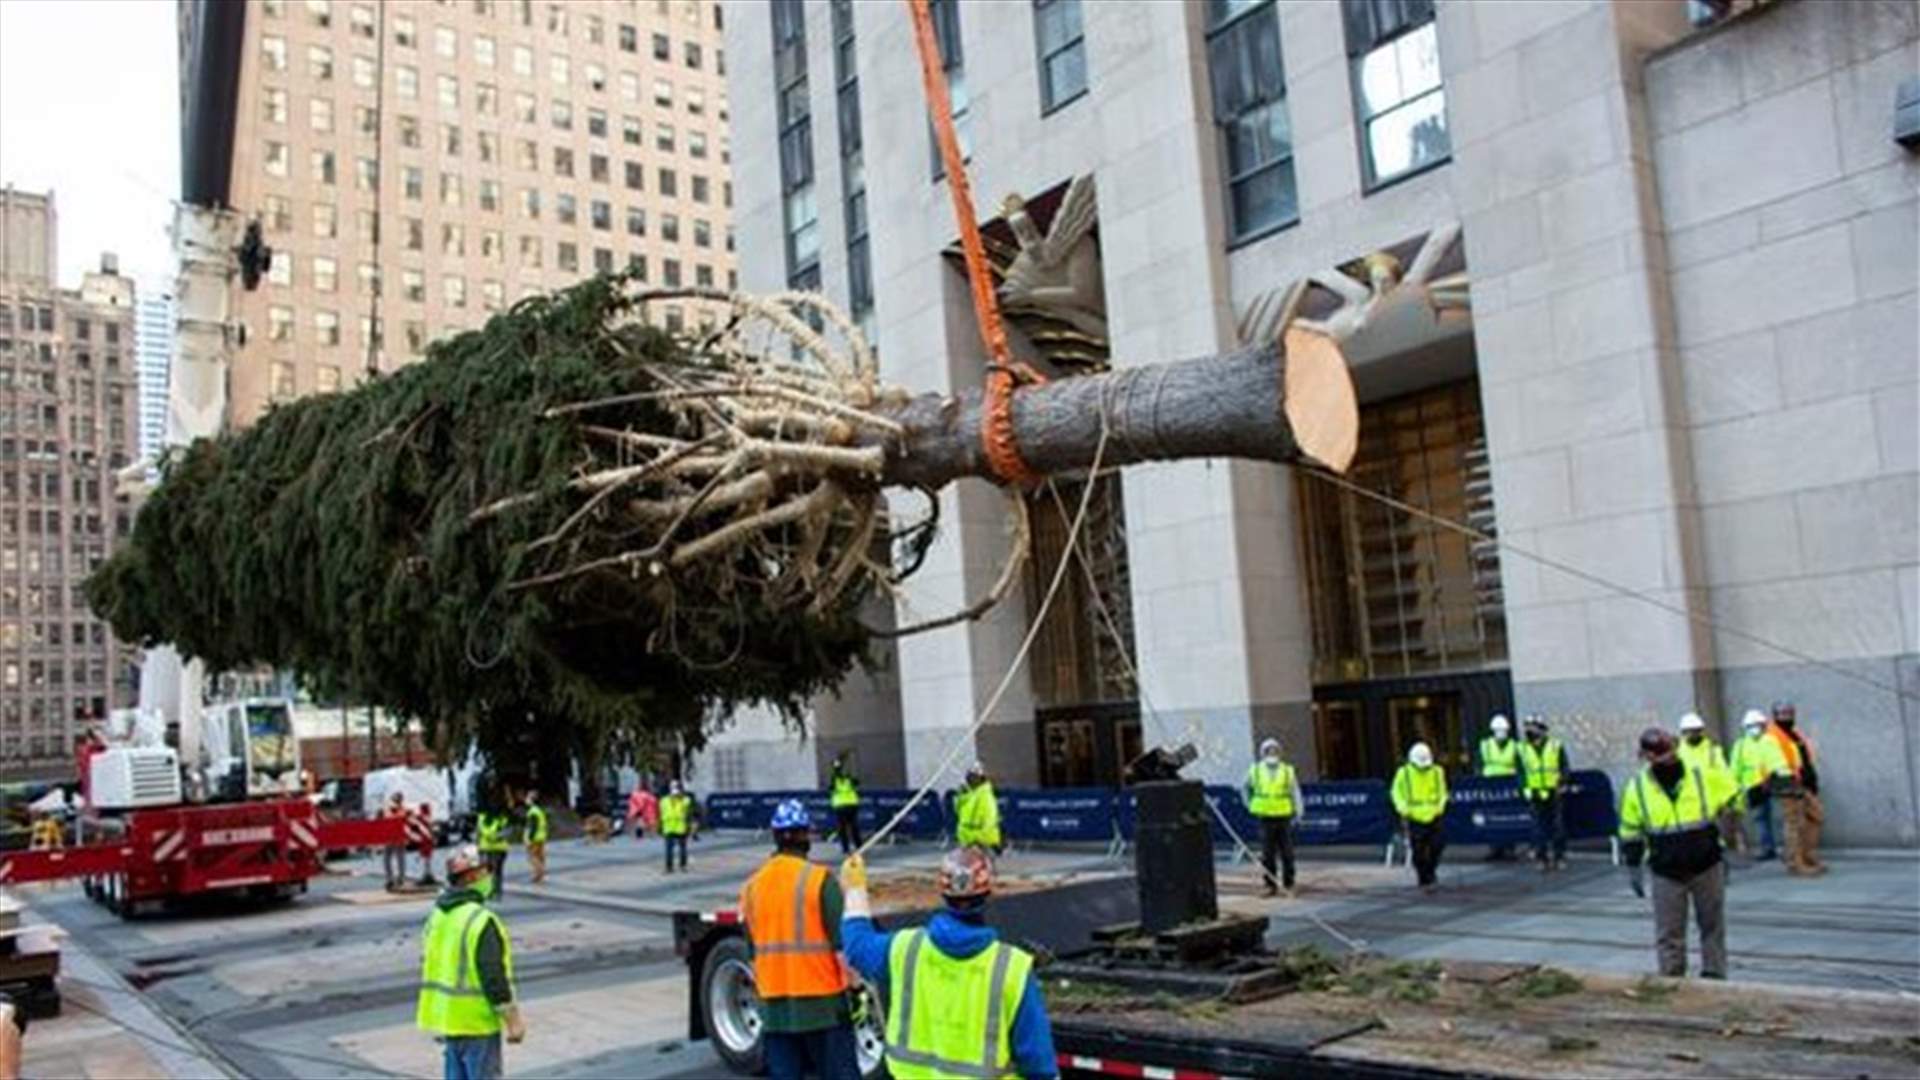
(1380, 1018)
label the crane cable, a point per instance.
(1004, 372)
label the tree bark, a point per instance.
(1268, 402)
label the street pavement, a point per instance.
(324, 987)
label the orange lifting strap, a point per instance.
(1003, 372)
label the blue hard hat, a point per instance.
(791, 814)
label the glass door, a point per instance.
(1341, 739)
(1067, 759)
(1433, 719)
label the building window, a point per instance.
(413, 286)
(320, 63)
(662, 48)
(409, 131)
(326, 378)
(277, 160)
(530, 204)
(629, 39)
(796, 138)
(559, 70)
(1250, 109)
(326, 273)
(946, 33)
(522, 60)
(600, 214)
(453, 289)
(567, 256)
(636, 176)
(663, 93)
(670, 273)
(320, 13)
(491, 249)
(278, 213)
(369, 278)
(274, 105)
(453, 239)
(702, 233)
(696, 101)
(320, 114)
(406, 81)
(366, 226)
(273, 51)
(416, 239)
(365, 120)
(602, 260)
(446, 42)
(281, 385)
(526, 108)
(1063, 52)
(562, 161)
(598, 168)
(696, 144)
(562, 112)
(636, 221)
(323, 167)
(1402, 107)
(669, 183)
(362, 70)
(596, 78)
(663, 137)
(449, 92)
(630, 130)
(483, 50)
(450, 140)
(597, 123)
(412, 182)
(487, 147)
(490, 196)
(405, 34)
(701, 189)
(853, 183)
(279, 322)
(596, 30)
(326, 221)
(670, 228)
(530, 252)
(565, 209)
(326, 327)
(493, 295)
(450, 189)
(486, 99)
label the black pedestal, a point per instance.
(1173, 855)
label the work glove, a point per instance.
(515, 1024)
(853, 887)
(1637, 880)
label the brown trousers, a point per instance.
(537, 859)
(1803, 815)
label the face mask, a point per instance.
(1785, 722)
(1270, 758)
(1667, 772)
(1694, 737)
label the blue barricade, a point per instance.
(1336, 812)
(754, 809)
(1344, 812)
(1491, 810)
(927, 820)
(1057, 814)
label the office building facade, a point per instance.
(69, 420)
(1649, 434)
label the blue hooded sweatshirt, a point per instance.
(867, 947)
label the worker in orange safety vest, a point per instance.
(792, 910)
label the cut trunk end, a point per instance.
(1318, 401)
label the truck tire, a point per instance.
(732, 1007)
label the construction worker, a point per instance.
(394, 859)
(1273, 797)
(843, 794)
(792, 910)
(976, 812)
(1499, 756)
(1755, 761)
(1543, 765)
(1696, 747)
(490, 836)
(536, 834)
(959, 1001)
(1420, 798)
(466, 973)
(1671, 816)
(1799, 794)
(676, 821)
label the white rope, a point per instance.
(1019, 658)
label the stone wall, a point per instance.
(1791, 233)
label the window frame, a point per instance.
(1357, 52)
(1042, 56)
(1236, 22)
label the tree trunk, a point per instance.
(1267, 402)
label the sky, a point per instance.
(90, 107)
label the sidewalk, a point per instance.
(107, 1031)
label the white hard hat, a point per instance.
(1500, 724)
(1269, 744)
(1421, 755)
(1754, 719)
(1692, 722)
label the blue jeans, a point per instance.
(474, 1057)
(680, 843)
(828, 1054)
(1760, 811)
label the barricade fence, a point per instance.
(1480, 810)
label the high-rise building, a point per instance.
(1664, 371)
(415, 167)
(155, 350)
(68, 420)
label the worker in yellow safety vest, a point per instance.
(1499, 757)
(1755, 762)
(843, 795)
(490, 836)
(1543, 772)
(1419, 794)
(1672, 815)
(467, 995)
(536, 834)
(1273, 798)
(676, 822)
(976, 812)
(959, 1001)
